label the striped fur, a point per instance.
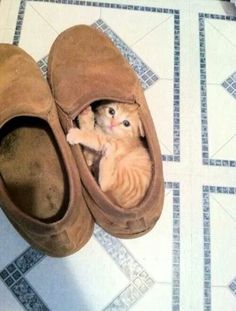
(125, 165)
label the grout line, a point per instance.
(216, 29)
(232, 217)
(164, 145)
(222, 146)
(100, 13)
(140, 39)
(44, 19)
(168, 193)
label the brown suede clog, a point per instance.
(40, 190)
(84, 67)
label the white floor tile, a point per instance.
(160, 102)
(81, 281)
(34, 23)
(9, 237)
(223, 252)
(8, 302)
(220, 62)
(132, 26)
(158, 53)
(154, 298)
(222, 299)
(54, 14)
(161, 237)
(221, 123)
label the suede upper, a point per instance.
(21, 84)
(94, 70)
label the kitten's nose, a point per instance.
(113, 123)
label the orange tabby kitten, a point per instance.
(125, 165)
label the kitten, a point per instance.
(124, 163)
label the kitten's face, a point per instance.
(119, 120)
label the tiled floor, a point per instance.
(184, 53)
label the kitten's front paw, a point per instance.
(73, 136)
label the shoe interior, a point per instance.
(32, 168)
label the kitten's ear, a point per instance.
(140, 128)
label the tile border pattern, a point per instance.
(206, 191)
(140, 281)
(203, 91)
(230, 84)
(232, 286)
(175, 157)
(146, 76)
(13, 277)
(43, 66)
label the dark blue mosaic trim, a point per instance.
(207, 190)
(176, 115)
(28, 260)
(146, 76)
(43, 65)
(149, 78)
(19, 22)
(27, 296)
(230, 85)
(13, 277)
(175, 245)
(203, 90)
(232, 286)
(111, 6)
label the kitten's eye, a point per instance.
(126, 123)
(111, 111)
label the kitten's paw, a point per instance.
(73, 136)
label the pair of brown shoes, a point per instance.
(47, 191)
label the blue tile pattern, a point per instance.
(147, 76)
(27, 296)
(140, 281)
(206, 191)
(232, 286)
(230, 84)
(19, 22)
(43, 65)
(176, 246)
(206, 160)
(13, 277)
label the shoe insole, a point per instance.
(32, 168)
